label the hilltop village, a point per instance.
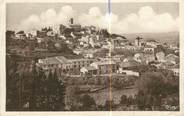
(89, 63)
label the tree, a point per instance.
(141, 100)
(54, 93)
(12, 93)
(73, 98)
(46, 94)
(50, 46)
(123, 99)
(88, 103)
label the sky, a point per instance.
(123, 18)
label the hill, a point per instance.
(169, 37)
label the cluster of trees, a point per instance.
(124, 52)
(86, 103)
(154, 87)
(49, 92)
(49, 44)
(155, 91)
(77, 101)
(117, 82)
(12, 42)
(31, 44)
(123, 82)
(89, 81)
(166, 50)
(31, 90)
(60, 47)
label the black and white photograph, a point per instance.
(111, 56)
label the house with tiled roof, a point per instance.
(20, 35)
(54, 63)
(126, 66)
(148, 49)
(153, 43)
(89, 53)
(89, 71)
(77, 64)
(150, 57)
(105, 67)
(172, 58)
(139, 57)
(175, 69)
(129, 63)
(160, 56)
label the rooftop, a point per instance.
(148, 46)
(105, 62)
(152, 40)
(172, 55)
(131, 63)
(90, 68)
(54, 60)
(51, 60)
(61, 59)
(81, 59)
